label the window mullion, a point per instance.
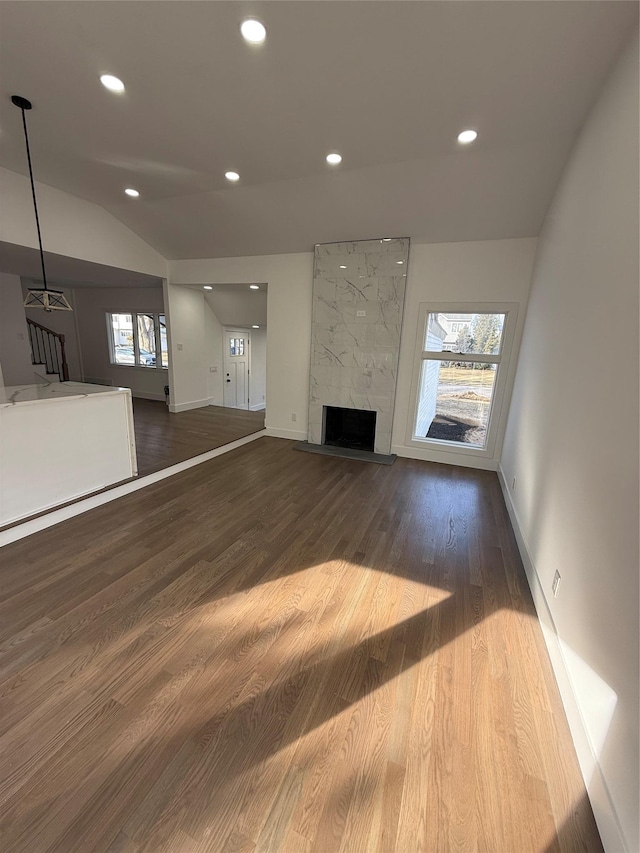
(156, 327)
(136, 343)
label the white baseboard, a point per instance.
(293, 434)
(444, 457)
(193, 404)
(603, 808)
(142, 395)
(93, 380)
(147, 395)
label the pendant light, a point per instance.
(39, 297)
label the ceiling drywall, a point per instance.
(237, 304)
(69, 272)
(387, 84)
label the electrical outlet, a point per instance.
(180, 347)
(213, 368)
(555, 586)
(294, 416)
(513, 484)
(361, 313)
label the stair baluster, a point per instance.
(48, 349)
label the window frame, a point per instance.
(136, 343)
(502, 360)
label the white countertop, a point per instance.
(15, 395)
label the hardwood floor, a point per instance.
(164, 438)
(277, 651)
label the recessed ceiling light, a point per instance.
(254, 286)
(133, 193)
(255, 327)
(113, 84)
(399, 262)
(387, 239)
(334, 158)
(208, 287)
(253, 31)
(343, 266)
(467, 136)
(232, 176)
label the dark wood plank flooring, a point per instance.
(276, 651)
(164, 438)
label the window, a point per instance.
(136, 339)
(460, 376)
(164, 347)
(236, 346)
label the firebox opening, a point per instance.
(353, 428)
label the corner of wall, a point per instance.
(291, 434)
(191, 404)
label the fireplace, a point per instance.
(352, 428)
(358, 299)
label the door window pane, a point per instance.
(122, 338)
(146, 340)
(465, 333)
(455, 401)
(236, 346)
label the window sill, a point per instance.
(449, 447)
(136, 367)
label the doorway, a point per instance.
(237, 358)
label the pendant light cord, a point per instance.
(33, 193)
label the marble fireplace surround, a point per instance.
(358, 299)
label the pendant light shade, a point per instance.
(45, 297)
(50, 300)
(38, 297)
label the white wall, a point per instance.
(194, 383)
(489, 271)
(290, 279)
(62, 322)
(572, 442)
(71, 226)
(188, 365)
(92, 305)
(213, 342)
(90, 445)
(258, 377)
(493, 271)
(15, 350)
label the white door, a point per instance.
(236, 369)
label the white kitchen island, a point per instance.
(61, 441)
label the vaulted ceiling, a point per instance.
(387, 84)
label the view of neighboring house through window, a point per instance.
(460, 358)
(136, 339)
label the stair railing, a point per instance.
(47, 348)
